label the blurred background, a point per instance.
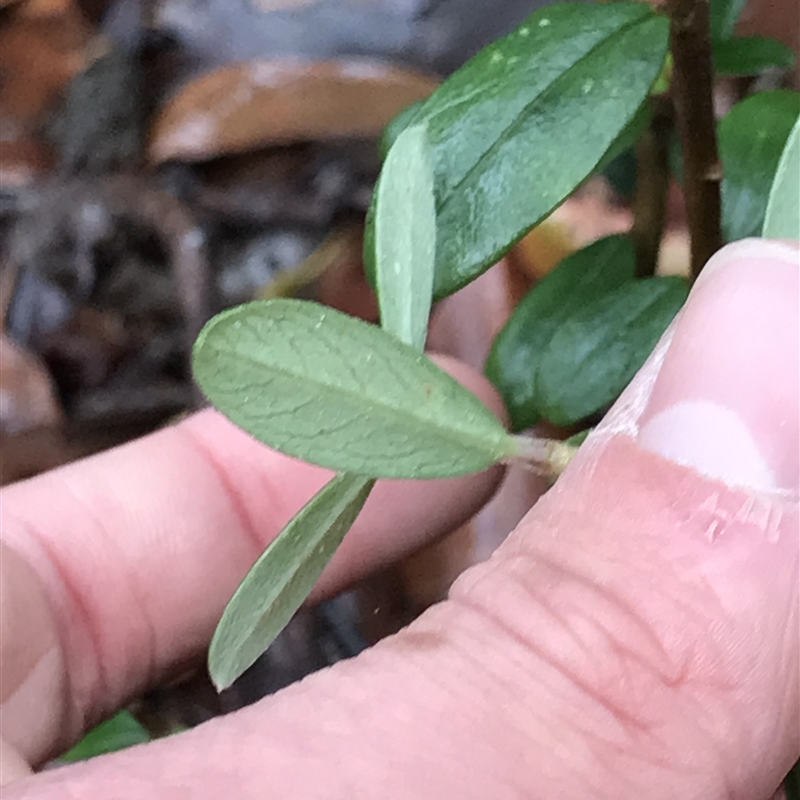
(163, 160)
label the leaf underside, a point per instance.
(338, 392)
(281, 579)
(782, 218)
(405, 238)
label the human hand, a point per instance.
(637, 636)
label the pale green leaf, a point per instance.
(405, 238)
(279, 582)
(335, 391)
(782, 219)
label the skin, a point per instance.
(636, 636)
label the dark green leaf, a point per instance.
(515, 360)
(782, 218)
(396, 126)
(751, 55)
(405, 238)
(595, 353)
(120, 731)
(335, 391)
(724, 14)
(279, 582)
(752, 136)
(523, 123)
(627, 139)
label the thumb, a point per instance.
(636, 636)
(660, 576)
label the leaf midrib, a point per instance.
(504, 135)
(449, 433)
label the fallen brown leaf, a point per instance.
(256, 103)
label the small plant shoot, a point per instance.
(467, 173)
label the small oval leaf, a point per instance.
(782, 218)
(752, 136)
(595, 353)
(338, 392)
(516, 129)
(283, 576)
(405, 238)
(751, 55)
(515, 359)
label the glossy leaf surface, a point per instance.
(514, 363)
(335, 391)
(596, 351)
(281, 579)
(752, 136)
(405, 238)
(516, 129)
(782, 218)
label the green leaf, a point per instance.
(752, 136)
(120, 731)
(595, 353)
(515, 359)
(724, 14)
(333, 390)
(751, 55)
(396, 126)
(782, 218)
(523, 123)
(279, 582)
(405, 238)
(577, 439)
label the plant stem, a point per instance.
(548, 457)
(652, 184)
(692, 87)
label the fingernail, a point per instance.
(725, 400)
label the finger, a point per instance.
(136, 552)
(637, 636)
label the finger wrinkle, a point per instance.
(65, 601)
(137, 668)
(246, 524)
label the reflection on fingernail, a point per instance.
(725, 401)
(712, 439)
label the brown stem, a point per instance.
(692, 88)
(652, 184)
